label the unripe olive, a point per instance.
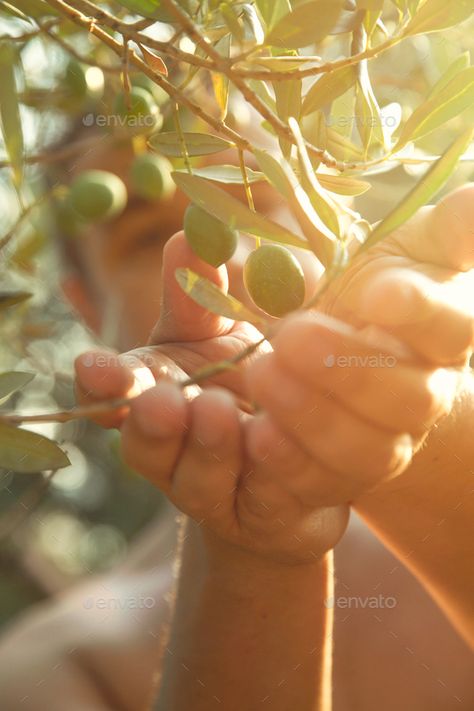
(82, 85)
(151, 177)
(143, 82)
(138, 111)
(209, 238)
(274, 279)
(98, 195)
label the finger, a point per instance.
(280, 463)
(340, 441)
(436, 320)
(181, 318)
(322, 354)
(154, 433)
(206, 476)
(443, 235)
(104, 375)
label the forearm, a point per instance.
(245, 631)
(426, 515)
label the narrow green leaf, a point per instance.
(11, 298)
(272, 11)
(424, 191)
(307, 24)
(328, 88)
(462, 62)
(280, 174)
(233, 212)
(342, 185)
(155, 8)
(219, 81)
(447, 103)
(436, 15)
(11, 382)
(228, 174)
(369, 119)
(28, 452)
(283, 64)
(198, 144)
(10, 112)
(210, 297)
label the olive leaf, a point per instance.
(369, 124)
(460, 63)
(10, 111)
(272, 11)
(234, 213)
(11, 382)
(448, 102)
(283, 64)
(228, 174)
(280, 174)
(425, 190)
(219, 80)
(299, 28)
(197, 144)
(10, 298)
(343, 185)
(328, 88)
(210, 297)
(28, 452)
(437, 15)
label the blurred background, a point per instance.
(56, 529)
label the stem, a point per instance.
(182, 141)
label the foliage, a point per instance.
(334, 90)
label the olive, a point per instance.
(98, 195)
(82, 85)
(274, 279)
(209, 238)
(138, 111)
(151, 177)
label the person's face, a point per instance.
(122, 259)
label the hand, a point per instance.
(416, 286)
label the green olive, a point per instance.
(209, 238)
(143, 82)
(151, 177)
(138, 111)
(97, 195)
(82, 86)
(274, 279)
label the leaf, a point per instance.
(210, 297)
(10, 112)
(288, 103)
(219, 81)
(154, 8)
(424, 191)
(154, 61)
(228, 174)
(233, 212)
(198, 144)
(10, 298)
(280, 174)
(11, 382)
(462, 62)
(369, 119)
(28, 452)
(437, 15)
(324, 205)
(342, 185)
(328, 88)
(450, 101)
(282, 64)
(272, 11)
(307, 24)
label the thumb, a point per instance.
(181, 318)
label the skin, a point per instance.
(113, 283)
